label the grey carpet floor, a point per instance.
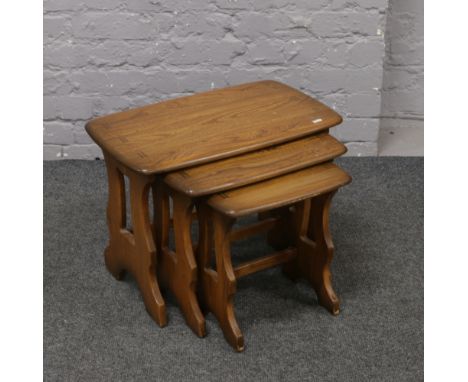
(96, 328)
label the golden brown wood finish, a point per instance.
(265, 262)
(253, 229)
(209, 126)
(280, 191)
(178, 270)
(315, 250)
(256, 166)
(217, 288)
(309, 192)
(133, 251)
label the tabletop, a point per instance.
(208, 126)
(255, 166)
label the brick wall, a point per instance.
(102, 56)
(403, 85)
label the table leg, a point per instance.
(178, 270)
(133, 251)
(114, 253)
(218, 287)
(315, 250)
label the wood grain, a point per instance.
(135, 251)
(280, 191)
(184, 132)
(177, 270)
(265, 262)
(255, 166)
(315, 250)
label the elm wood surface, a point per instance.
(177, 270)
(280, 191)
(255, 166)
(308, 227)
(209, 126)
(133, 251)
(144, 251)
(315, 250)
(217, 287)
(265, 262)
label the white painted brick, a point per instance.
(405, 6)
(230, 4)
(110, 104)
(365, 130)
(66, 55)
(56, 83)
(368, 80)
(361, 149)
(237, 76)
(105, 82)
(398, 77)
(109, 52)
(180, 6)
(91, 151)
(203, 80)
(336, 55)
(122, 26)
(294, 77)
(255, 25)
(266, 52)
(404, 103)
(303, 52)
(104, 5)
(60, 5)
(80, 136)
(223, 52)
(366, 4)
(56, 26)
(261, 5)
(367, 53)
(59, 133)
(189, 52)
(371, 4)
(102, 56)
(148, 54)
(211, 26)
(406, 53)
(403, 80)
(308, 5)
(68, 108)
(341, 24)
(144, 5)
(326, 81)
(363, 105)
(52, 152)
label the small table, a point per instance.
(145, 143)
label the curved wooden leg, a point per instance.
(298, 224)
(132, 251)
(144, 257)
(314, 250)
(318, 253)
(178, 270)
(320, 275)
(116, 219)
(219, 287)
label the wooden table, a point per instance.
(145, 143)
